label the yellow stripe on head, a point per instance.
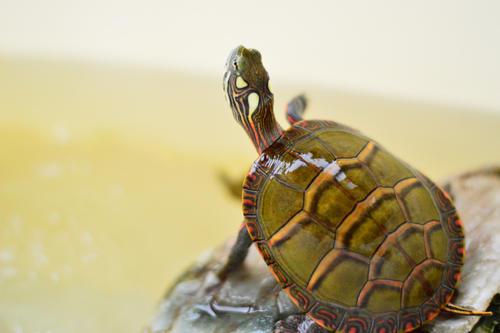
(240, 83)
(253, 102)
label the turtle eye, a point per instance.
(235, 64)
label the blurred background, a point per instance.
(113, 128)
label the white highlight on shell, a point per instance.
(253, 102)
(319, 162)
(335, 170)
(240, 83)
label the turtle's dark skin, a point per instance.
(358, 239)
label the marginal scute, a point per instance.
(326, 316)
(301, 298)
(253, 228)
(409, 319)
(386, 323)
(280, 204)
(452, 275)
(249, 202)
(356, 322)
(456, 251)
(254, 179)
(265, 252)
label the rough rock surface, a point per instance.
(251, 301)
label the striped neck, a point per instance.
(246, 86)
(261, 125)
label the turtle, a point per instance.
(358, 239)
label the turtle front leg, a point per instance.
(232, 185)
(238, 253)
(295, 109)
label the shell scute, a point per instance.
(355, 177)
(409, 319)
(360, 240)
(325, 200)
(436, 241)
(430, 310)
(301, 298)
(387, 323)
(356, 322)
(387, 169)
(280, 205)
(342, 143)
(304, 240)
(313, 152)
(453, 225)
(264, 251)
(412, 243)
(339, 277)
(249, 202)
(280, 276)
(326, 316)
(380, 296)
(456, 251)
(295, 171)
(254, 179)
(418, 203)
(421, 285)
(361, 231)
(253, 228)
(452, 276)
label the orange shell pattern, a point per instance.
(359, 240)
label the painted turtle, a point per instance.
(359, 240)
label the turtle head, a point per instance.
(246, 85)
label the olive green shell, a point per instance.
(358, 239)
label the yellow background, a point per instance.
(108, 186)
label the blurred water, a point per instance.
(108, 187)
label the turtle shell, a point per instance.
(359, 240)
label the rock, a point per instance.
(251, 301)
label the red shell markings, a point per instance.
(360, 241)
